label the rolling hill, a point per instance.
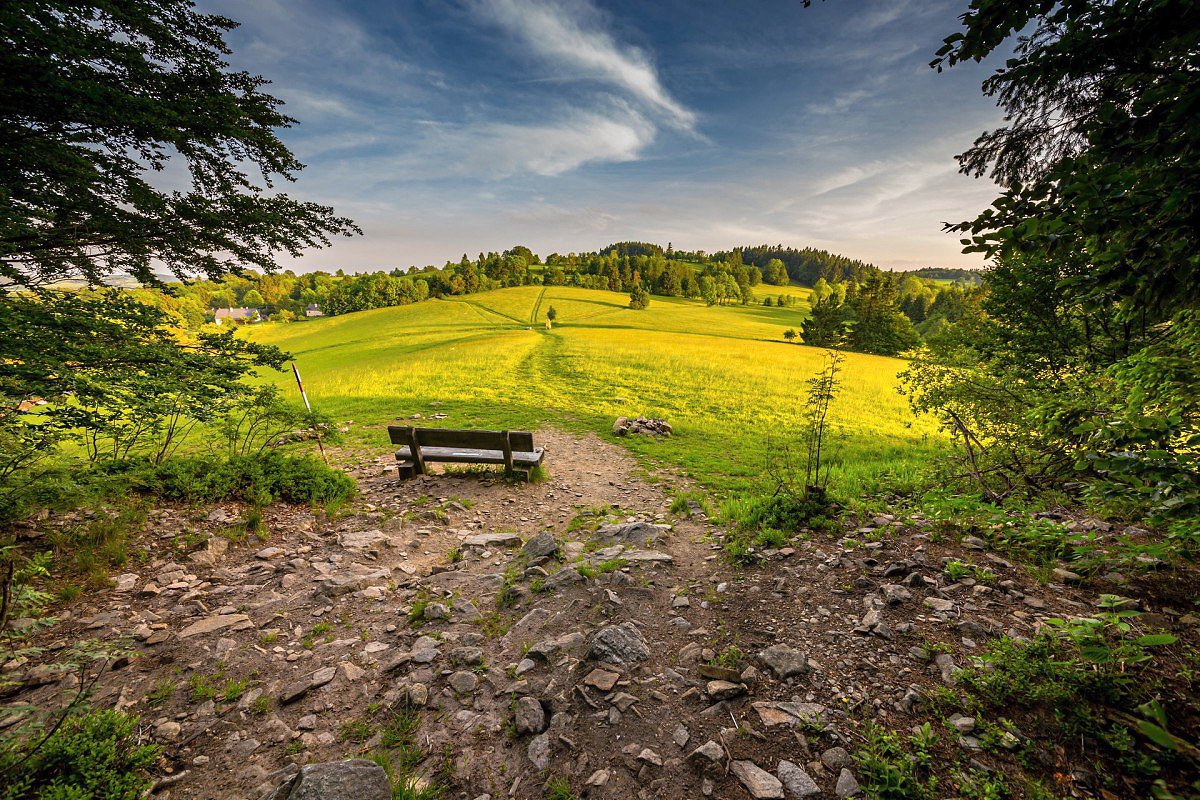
(723, 376)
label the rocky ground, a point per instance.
(572, 629)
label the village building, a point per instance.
(313, 310)
(237, 315)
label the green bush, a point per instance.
(782, 512)
(894, 768)
(93, 756)
(260, 479)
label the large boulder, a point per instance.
(356, 779)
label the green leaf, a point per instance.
(1157, 735)
(1157, 639)
(1153, 710)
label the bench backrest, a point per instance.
(519, 441)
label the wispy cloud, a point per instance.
(868, 88)
(568, 34)
(502, 150)
(882, 14)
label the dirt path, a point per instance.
(620, 653)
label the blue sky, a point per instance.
(452, 126)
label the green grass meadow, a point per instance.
(722, 376)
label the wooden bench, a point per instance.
(513, 449)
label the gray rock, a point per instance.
(619, 644)
(680, 736)
(1066, 576)
(436, 611)
(547, 649)
(492, 540)
(538, 752)
(797, 782)
(623, 700)
(167, 731)
(245, 747)
(962, 724)
(540, 546)
(847, 784)
(529, 716)
(356, 779)
(639, 533)
(894, 594)
(217, 623)
(469, 656)
(784, 661)
(294, 691)
(940, 604)
(872, 623)
(598, 779)
(337, 585)
(563, 577)
(648, 756)
(635, 557)
(361, 540)
(945, 663)
(761, 784)
(708, 754)
(463, 682)
(724, 690)
(835, 757)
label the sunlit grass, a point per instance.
(722, 376)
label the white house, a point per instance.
(237, 315)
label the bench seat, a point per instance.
(466, 455)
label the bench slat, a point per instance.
(450, 437)
(469, 455)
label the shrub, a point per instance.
(895, 769)
(784, 512)
(260, 479)
(93, 755)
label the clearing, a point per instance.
(722, 376)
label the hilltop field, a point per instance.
(723, 376)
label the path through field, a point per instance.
(723, 376)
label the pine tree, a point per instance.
(639, 298)
(825, 328)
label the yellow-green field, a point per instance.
(722, 376)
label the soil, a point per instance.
(309, 635)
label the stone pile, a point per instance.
(641, 426)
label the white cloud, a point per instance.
(502, 150)
(881, 14)
(568, 34)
